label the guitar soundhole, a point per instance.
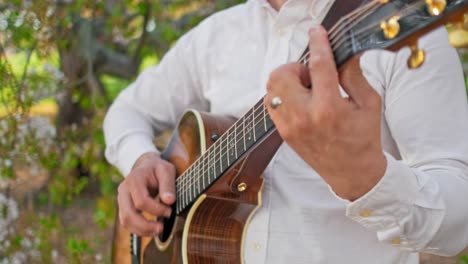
(168, 226)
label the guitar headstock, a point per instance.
(392, 25)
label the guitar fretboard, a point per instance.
(222, 155)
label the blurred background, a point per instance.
(62, 63)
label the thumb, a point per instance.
(165, 174)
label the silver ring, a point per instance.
(275, 102)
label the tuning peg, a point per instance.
(417, 57)
(391, 27)
(435, 7)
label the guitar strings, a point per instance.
(191, 181)
(187, 177)
(361, 33)
(354, 17)
(336, 36)
(335, 29)
(255, 121)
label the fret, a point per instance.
(269, 122)
(235, 138)
(194, 184)
(181, 190)
(202, 176)
(213, 167)
(192, 189)
(227, 150)
(187, 187)
(243, 133)
(189, 196)
(239, 145)
(209, 168)
(264, 118)
(220, 159)
(249, 124)
(259, 130)
(178, 192)
(232, 149)
(224, 159)
(253, 124)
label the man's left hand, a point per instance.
(338, 137)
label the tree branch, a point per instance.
(144, 33)
(113, 63)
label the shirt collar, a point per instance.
(313, 7)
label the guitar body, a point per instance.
(212, 230)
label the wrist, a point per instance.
(361, 180)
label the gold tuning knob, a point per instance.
(416, 58)
(391, 27)
(435, 7)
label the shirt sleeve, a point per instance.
(420, 204)
(153, 103)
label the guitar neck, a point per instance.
(239, 139)
(353, 28)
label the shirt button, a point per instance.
(365, 213)
(280, 31)
(257, 247)
(395, 241)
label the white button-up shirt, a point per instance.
(222, 66)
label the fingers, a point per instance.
(165, 173)
(136, 194)
(322, 66)
(289, 83)
(356, 85)
(131, 219)
(141, 197)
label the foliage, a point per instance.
(464, 260)
(68, 60)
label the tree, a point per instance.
(73, 56)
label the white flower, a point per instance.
(3, 24)
(7, 163)
(50, 11)
(7, 243)
(7, 13)
(4, 124)
(151, 26)
(36, 24)
(19, 21)
(26, 243)
(9, 208)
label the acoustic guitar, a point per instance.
(219, 161)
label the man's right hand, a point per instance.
(150, 176)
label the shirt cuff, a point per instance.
(391, 207)
(131, 148)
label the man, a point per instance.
(374, 177)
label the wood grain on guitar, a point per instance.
(219, 161)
